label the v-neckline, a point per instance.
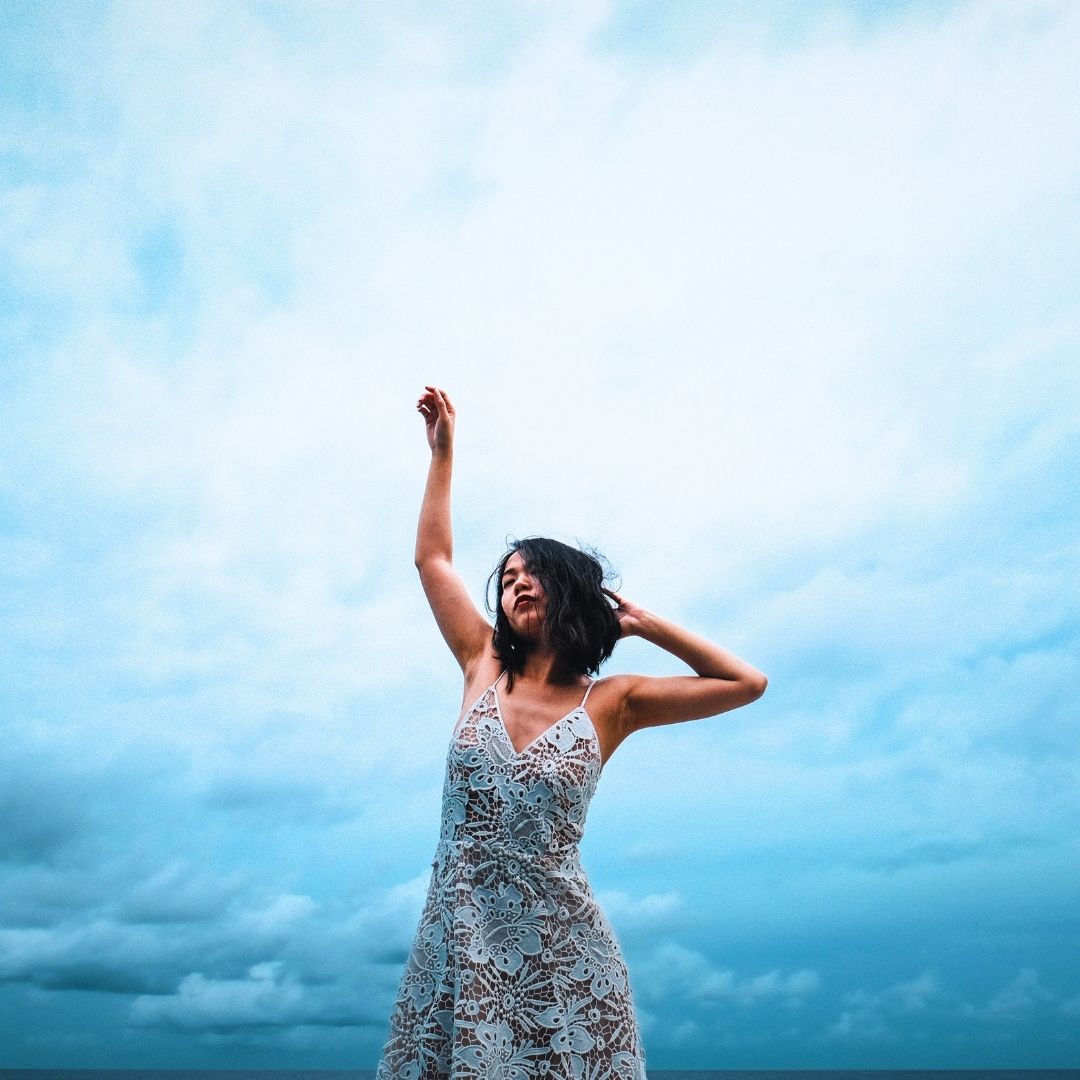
(551, 727)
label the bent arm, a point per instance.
(465, 630)
(723, 680)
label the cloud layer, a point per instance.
(775, 310)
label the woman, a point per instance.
(514, 972)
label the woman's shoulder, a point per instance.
(612, 699)
(613, 686)
(607, 698)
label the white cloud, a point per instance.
(281, 913)
(641, 913)
(387, 923)
(268, 997)
(674, 969)
(912, 1009)
(873, 1016)
(1019, 998)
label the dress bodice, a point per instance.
(528, 806)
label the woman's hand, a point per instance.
(630, 616)
(439, 416)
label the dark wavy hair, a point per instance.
(579, 625)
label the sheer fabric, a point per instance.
(514, 972)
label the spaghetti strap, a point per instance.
(592, 683)
(498, 680)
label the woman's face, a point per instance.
(523, 599)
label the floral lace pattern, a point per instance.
(514, 972)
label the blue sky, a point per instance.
(774, 304)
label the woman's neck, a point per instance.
(544, 666)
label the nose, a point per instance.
(524, 582)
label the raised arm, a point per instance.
(723, 681)
(466, 631)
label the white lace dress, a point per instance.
(514, 973)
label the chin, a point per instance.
(530, 630)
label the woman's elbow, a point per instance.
(425, 560)
(756, 685)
